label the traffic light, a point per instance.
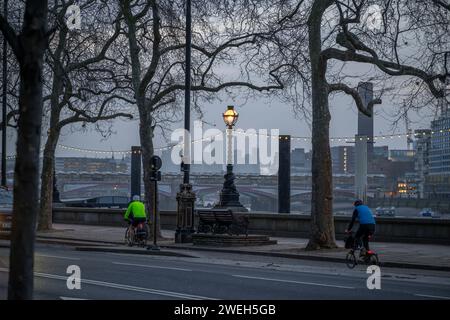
(155, 165)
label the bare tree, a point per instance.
(410, 46)
(13, 81)
(9, 94)
(29, 48)
(84, 88)
(154, 31)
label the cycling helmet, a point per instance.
(136, 198)
(358, 203)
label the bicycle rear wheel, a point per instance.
(373, 260)
(350, 260)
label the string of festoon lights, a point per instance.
(248, 134)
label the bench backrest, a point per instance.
(224, 216)
(213, 215)
(207, 216)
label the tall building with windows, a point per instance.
(401, 155)
(365, 123)
(343, 159)
(298, 161)
(438, 180)
(422, 145)
(381, 152)
(440, 145)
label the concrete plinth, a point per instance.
(232, 208)
(225, 240)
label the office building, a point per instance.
(437, 183)
(343, 159)
(422, 145)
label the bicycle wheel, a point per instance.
(129, 237)
(350, 260)
(144, 238)
(373, 260)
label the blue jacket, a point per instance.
(364, 215)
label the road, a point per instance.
(210, 276)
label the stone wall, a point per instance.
(415, 230)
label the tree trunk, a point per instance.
(47, 176)
(146, 137)
(48, 162)
(26, 173)
(322, 222)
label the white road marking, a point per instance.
(101, 230)
(429, 296)
(70, 298)
(129, 288)
(293, 281)
(147, 266)
(56, 257)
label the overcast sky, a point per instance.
(257, 114)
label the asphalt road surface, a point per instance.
(210, 276)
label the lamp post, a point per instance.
(229, 196)
(186, 197)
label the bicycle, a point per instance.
(137, 235)
(369, 258)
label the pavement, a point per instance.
(110, 239)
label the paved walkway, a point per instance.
(426, 256)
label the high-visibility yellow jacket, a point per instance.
(136, 209)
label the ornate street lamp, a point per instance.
(229, 196)
(230, 117)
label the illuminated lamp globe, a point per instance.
(230, 116)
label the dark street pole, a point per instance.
(186, 197)
(136, 162)
(284, 174)
(4, 102)
(187, 92)
(155, 216)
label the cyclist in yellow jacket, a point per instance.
(135, 213)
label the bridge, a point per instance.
(260, 193)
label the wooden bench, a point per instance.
(220, 221)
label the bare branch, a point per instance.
(368, 111)
(391, 68)
(12, 38)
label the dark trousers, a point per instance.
(364, 231)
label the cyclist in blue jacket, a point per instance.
(366, 223)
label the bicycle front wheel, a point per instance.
(350, 260)
(129, 235)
